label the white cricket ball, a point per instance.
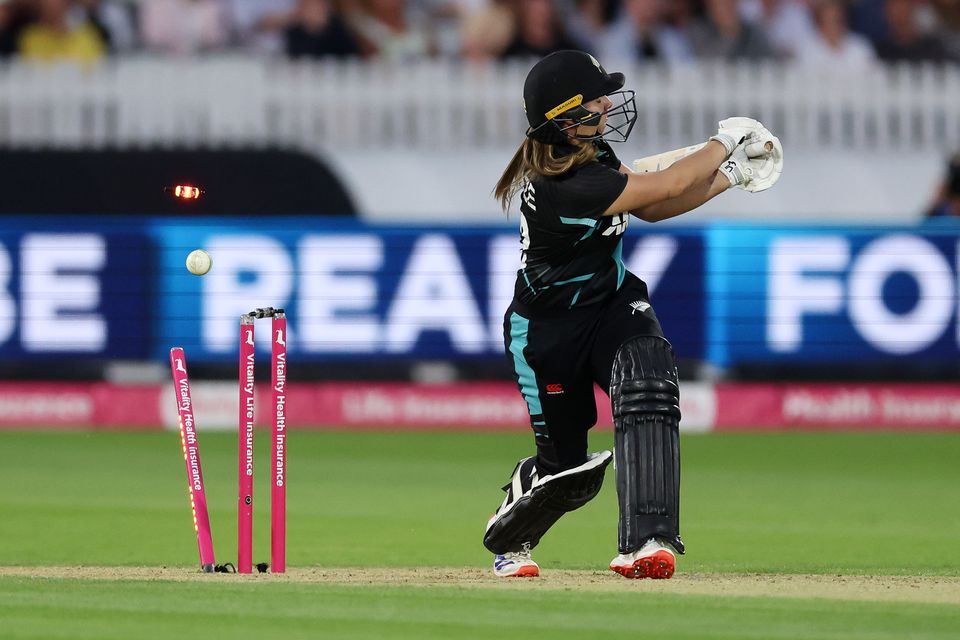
(199, 262)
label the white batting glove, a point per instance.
(742, 122)
(734, 131)
(730, 139)
(737, 168)
(747, 130)
(767, 168)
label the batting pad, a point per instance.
(645, 394)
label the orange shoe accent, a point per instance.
(526, 572)
(659, 566)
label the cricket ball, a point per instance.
(199, 262)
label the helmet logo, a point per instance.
(575, 101)
(596, 63)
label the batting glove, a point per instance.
(767, 168)
(741, 129)
(737, 168)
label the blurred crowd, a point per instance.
(850, 34)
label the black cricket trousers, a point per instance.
(558, 355)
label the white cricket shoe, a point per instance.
(655, 559)
(517, 564)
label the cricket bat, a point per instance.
(661, 161)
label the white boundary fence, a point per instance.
(226, 102)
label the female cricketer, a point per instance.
(579, 318)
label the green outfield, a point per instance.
(789, 536)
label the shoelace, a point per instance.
(522, 556)
(524, 553)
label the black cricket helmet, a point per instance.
(560, 84)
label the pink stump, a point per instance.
(278, 490)
(191, 456)
(245, 449)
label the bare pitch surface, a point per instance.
(929, 589)
(355, 604)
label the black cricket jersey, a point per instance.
(571, 254)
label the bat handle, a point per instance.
(758, 149)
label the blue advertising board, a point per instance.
(107, 287)
(355, 291)
(832, 294)
(74, 286)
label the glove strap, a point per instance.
(728, 141)
(732, 170)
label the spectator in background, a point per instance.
(906, 42)
(866, 18)
(445, 19)
(723, 35)
(184, 27)
(114, 19)
(12, 21)
(391, 30)
(948, 17)
(487, 32)
(259, 25)
(787, 23)
(681, 14)
(947, 201)
(318, 31)
(7, 45)
(53, 37)
(833, 46)
(642, 35)
(539, 31)
(590, 20)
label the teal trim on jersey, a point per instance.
(539, 423)
(526, 279)
(576, 297)
(519, 327)
(587, 234)
(590, 222)
(577, 279)
(618, 258)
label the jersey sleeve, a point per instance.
(590, 191)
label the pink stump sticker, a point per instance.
(191, 456)
(278, 484)
(245, 449)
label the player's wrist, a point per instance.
(727, 140)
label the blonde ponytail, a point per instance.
(535, 158)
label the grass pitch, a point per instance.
(789, 536)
